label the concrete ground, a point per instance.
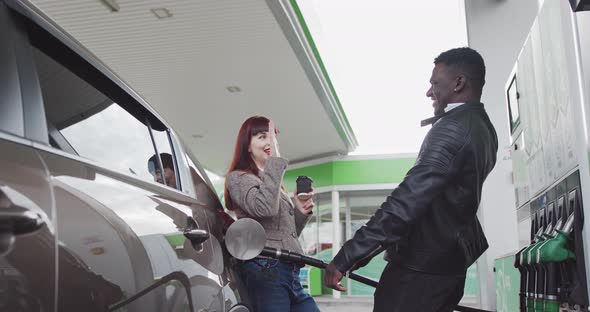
(345, 304)
(358, 304)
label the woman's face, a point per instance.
(260, 148)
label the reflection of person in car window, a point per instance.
(168, 165)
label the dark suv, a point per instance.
(101, 206)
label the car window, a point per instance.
(125, 144)
(83, 120)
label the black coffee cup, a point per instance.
(304, 187)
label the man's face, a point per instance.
(169, 176)
(441, 92)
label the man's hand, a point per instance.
(333, 277)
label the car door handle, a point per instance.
(18, 214)
(197, 236)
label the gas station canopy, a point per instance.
(207, 65)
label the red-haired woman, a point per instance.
(253, 189)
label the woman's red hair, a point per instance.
(242, 161)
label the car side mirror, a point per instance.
(197, 237)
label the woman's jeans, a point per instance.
(274, 286)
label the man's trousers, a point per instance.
(404, 290)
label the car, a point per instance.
(102, 206)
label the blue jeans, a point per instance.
(274, 286)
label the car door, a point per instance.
(27, 231)
(132, 236)
(27, 234)
(233, 289)
(125, 242)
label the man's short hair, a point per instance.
(468, 62)
(166, 162)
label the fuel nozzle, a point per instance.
(555, 249)
(531, 271)
(523, 279)
(552, 252)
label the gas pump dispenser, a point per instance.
(552, 266)
(561, 253)
(549, 155)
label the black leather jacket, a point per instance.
(429, 222)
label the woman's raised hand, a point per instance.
(274, 143)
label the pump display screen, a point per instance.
(512, 96)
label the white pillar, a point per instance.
(335, 229)
(348, 221)
(318, 223)
(348, 232)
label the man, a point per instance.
(428, 224)
(168, 165)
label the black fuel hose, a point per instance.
(286, 255)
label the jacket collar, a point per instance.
(464, 107)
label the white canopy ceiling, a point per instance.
(183, 64)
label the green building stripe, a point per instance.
(322, 175)
(352, 172)
(371, 171)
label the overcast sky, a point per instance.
(379, 56)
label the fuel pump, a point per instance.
(573, 290)
(522, 294)
(551, 302)
(550, 156)
(529, 281)
(538, 270)
(556, 249)
(552, 266)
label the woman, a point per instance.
(253, 189)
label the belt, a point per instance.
(282, 261)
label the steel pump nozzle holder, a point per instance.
(555, 248)
(538, 288)
(545, 295)
(552, 267)
(552, 252)
(540, 277)
(537, 295)
(529, 297)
